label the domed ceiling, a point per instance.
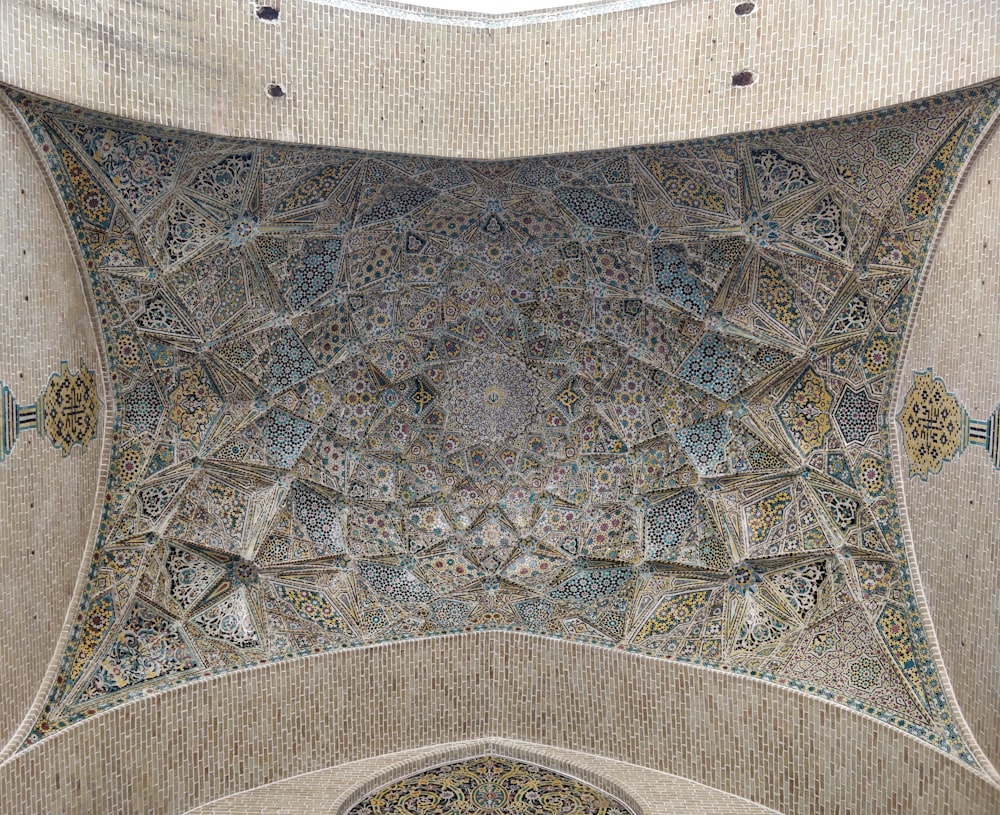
(636, 398)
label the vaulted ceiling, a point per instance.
(338, 475)
(635, 398)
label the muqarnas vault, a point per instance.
(636, 398)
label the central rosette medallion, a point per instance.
(493, 398)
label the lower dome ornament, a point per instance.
(489, 785)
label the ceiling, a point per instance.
(335, 459)
(361, 80)
(634, 398)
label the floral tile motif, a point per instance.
(936, 428)
(489, 784)
(635, 398)
(66, 412)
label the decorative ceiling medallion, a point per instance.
(635, 398)
(488, 785)
(494, 398)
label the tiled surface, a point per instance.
(778, 749)
(953, 514)
(488, 783)
(327, 792)
(370, 82)
(358, 81)
(49, 497)
(793, 753)
(635, 398)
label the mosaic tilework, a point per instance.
(66, 412)
(633, 398)
(489, 784)
(936, 427)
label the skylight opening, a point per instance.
(499, 7)
(489, 13)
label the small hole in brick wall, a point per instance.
(275, 91)
(743, 9)
(267, 13)
(743, 78)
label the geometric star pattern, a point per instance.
(630, 398)
(856, 415)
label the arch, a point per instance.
(520, 752)
(239, 731)
(51, 476)
(948, 509)
(336, 790)
(638, 76)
